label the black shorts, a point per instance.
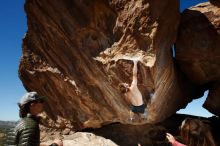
(138, 109)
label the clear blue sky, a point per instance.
(12, 29)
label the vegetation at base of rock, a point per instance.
(3, 134)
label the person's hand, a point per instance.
(170, 138)
(139, 144)
(135, 61)
(59, 142)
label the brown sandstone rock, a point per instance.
(76, 52)
(84, 139)
(198, 51)
(131, 135)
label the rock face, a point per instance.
(83, 139)
(77, 52)
(130, 135)
(198, 51)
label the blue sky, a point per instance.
(12, 29)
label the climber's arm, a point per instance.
(134, 82)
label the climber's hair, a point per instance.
(122, 88)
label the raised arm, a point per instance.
(134, 82)
(173, 141)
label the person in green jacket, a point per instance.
(27, 131)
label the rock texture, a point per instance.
(83, 139)
(198, 51)
(76, 52)
(131, 135)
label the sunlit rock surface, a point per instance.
(83, 139)
(77, 52)
(198, 50)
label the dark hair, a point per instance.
(25, 109)
(122, 88)
(194, 132)
(157, 135)
(54, 144)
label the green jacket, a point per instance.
(26, 133)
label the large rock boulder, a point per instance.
(198, 50)
(77, 52)
(130, 135)
(83, 139)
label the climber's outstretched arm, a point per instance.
(134, 82)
